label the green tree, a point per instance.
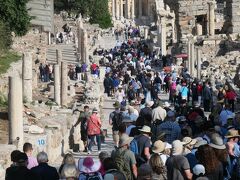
(99, 13)
(15, 14)
(6, 38)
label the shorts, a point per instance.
(115, 136)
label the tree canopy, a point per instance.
(97, 10)
(15, 15)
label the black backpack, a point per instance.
(117, 120)
(92, 176)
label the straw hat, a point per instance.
(145, 129)
(200, 142)
(177, 147)
(158, 146)
(217, 142)
(188, 140)
(89, 165)
(125, 140)
(232, 133)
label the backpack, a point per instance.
(134, 147)
(90, 176)
(122, 165)
(116, 173)
(117, 120)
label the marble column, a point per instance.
(27, 71)
(64, 83)
(199, 57)
(59, 56)
(163, 36)
(133, 9)
(121, 9)
(57, 84)
(211, 18)
(15, 112)
(192, 62)
(79, 34)
(127, 9)
(113, 9)
(117, 9)
(85, 53)
(199, 29)
(140, 9)
(189, 52)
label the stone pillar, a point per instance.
(15, 112)
(117, 9)
(211, 18)
(59, 56)
(27, 76)
(199, 29)
(113, 9)
(121, 9)
(127, 9)
(64, 84)
(192, 62)
(140, 9)
(133, 9)
(163, 36)
(57, 84)
(146, 32)
(199, 56)
(79, 34)
(84, 54)
(189, 52)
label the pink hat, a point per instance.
(89, 165)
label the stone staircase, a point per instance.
(69, 54)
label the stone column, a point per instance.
(113, 9)
(133, 9)
(121, 9)
(79, 34)
(199, 29)
(140, 9)
(211, 18)
(15, 112)
(146, 32)
(199, 56)
(57, 84)
(64, 83)
(85, 54)
(189, 52)
(117, 9)
(127, 9)
(163, 36)
(192, 62)
(27, 76)
(59, 56)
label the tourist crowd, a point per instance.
(193, 134)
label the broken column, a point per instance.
(57, 84)
(211, 18)
(146, 32)
(199, 56)
(64, 84)
(59, 56)
(84, 54)
(15, 112)
(27, 76)
(163, 36)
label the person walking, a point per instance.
(94, 130)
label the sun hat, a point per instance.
(170, 113)
(200, 142)
(127, 119)
(94, 110)
(145, 129)
(232, 133)
(177, 147)
(88, 165)
(198, 169)
(149, 103)
(125, 140)
(166, 104)
(116, 104)
(189, 140)
(217, 142)
(158, 146)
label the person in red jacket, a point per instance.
(94, 130)
(230, 97)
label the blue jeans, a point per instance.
(92, 141)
